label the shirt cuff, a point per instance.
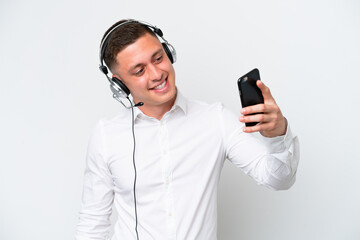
(279, 143)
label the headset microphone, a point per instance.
(139, 104)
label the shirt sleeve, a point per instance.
(271, 162)
(98, 194)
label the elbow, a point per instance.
(280, 184)
(279, 176)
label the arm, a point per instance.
(272, 156)
(98, 195)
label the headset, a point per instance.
(117, 87)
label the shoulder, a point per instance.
(209, 109)
(119, 121)
(212, 115)
(197, 106)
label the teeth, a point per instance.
(161, 85)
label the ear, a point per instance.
(116, 76)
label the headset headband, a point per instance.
(104, 43)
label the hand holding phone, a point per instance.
(250, 94)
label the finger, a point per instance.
(265, 91)
(258, 108)
(257, 128)
(261, 108)
(255, 118)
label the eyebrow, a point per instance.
(139, 64)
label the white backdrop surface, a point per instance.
(52, 94)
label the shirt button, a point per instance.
(170, 214)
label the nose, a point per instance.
(155, 73)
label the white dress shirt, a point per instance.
(179, 160)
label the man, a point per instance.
(181, 146)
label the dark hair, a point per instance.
(122, 37)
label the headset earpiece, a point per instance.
(121, 87)
(170, 51)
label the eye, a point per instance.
(159, 59)
(139, 72)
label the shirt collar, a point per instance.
(180, 102)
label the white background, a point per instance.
(52, 94)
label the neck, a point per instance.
(154, 112)
(157, 111)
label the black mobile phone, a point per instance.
(250, 94)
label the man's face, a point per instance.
(148, 73)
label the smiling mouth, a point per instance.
(162, 85)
